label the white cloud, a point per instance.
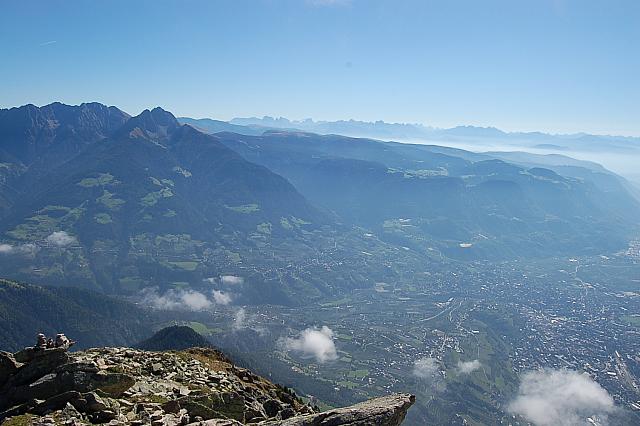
(28, 249)
(467, 367)
(187, 300)
(243, 320)
(314, 342)
(61, 239)
(239, 319)
(195, 300)
(425, 368)
(560, 397)
(231, 279)
(221, 298)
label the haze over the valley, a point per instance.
(619, 154)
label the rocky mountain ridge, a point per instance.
(135, 387)
(137, 195)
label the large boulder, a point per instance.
(208, 406)
(272, 407)
(44, 388)
(385, 411)
(8, 367)
(25, 355)
(100, 410)
(42, 363)
(197, 409)
(37, 406)
(56, 402)
(112, 384)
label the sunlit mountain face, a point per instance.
(381, 265)
(123, 203)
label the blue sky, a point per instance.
(549, 65)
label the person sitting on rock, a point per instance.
(41, 341)
(63, 342)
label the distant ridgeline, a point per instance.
(94, 198)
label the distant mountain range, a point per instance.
(117, 194)
(457, 202)
(618, 153)
(92, 197)
(95, 198)
(407, 131)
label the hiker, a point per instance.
(63, 341)
(41, 341)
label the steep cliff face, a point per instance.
(193, 386)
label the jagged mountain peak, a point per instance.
(29, 132)
(62, 111)
(153, 124)
(156, 177)
(160, 116)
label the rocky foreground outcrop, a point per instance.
(387, 410)
(194, 386)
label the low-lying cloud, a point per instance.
(195, 300)
(28, 249)
(313, 342)
(176, 300)
(231, 280)
(426, 368)
(221, 298)
(560, 397)
(184, 299)
(467, 367)
(61, 239)
(242, 320)
(239, 319)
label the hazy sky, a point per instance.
(551, 65)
